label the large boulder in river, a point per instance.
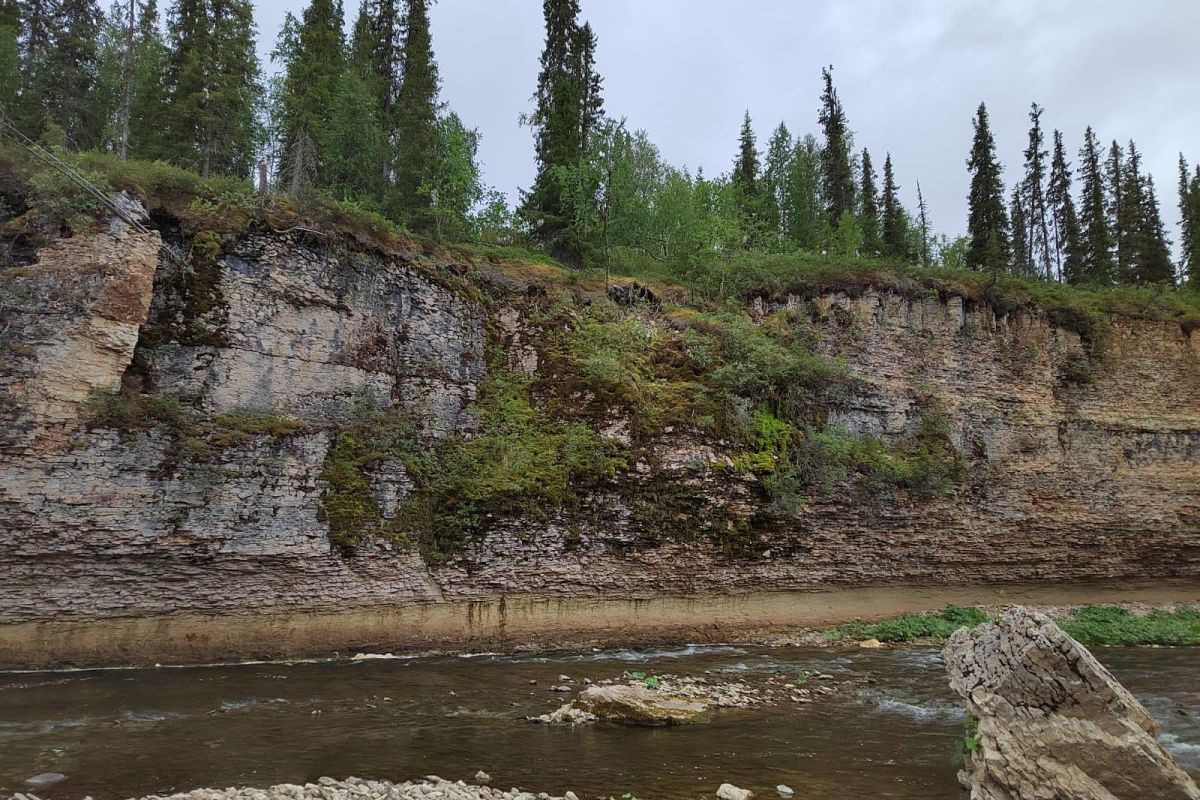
(1053, 724)
(631, 704)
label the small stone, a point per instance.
(728, 791)
(45, 779)
(564, 678)
(784, 791)
(560, 688)
(870, 644)
(326, 781)
(570, 796)
(482, 778)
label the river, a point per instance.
(129, 732)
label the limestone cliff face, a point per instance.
(1089, 468)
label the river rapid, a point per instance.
(130, 732)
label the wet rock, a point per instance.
(482, 778)
(431, 787)
(1052, 721)
(730, 792)
(870, 644)
(637, 704)
(784, 791)
(561, 688)
(45, 779)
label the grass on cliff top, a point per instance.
(1092, 626)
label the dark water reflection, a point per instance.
(122, 733)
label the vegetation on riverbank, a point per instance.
(1093, 626)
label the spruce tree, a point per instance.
(1020, 235)
(745, 168)
(314, 61)
(1037, 257)
(213, 86)
(987, 220)
(1127, 215)
(1189, 222)
(71, 74)
(776, 210)
(895, 219)
(148, 106)
(925, 255)
(355, 146)
(837, 175)
(588, 81)
(805, 212)
(1095, 263)
(868, 212)
(376, 53)
(1064, 221)
(36, 31)
(416, 120)
(563, 104)
(1118, 208)
(1152, 258)
(10, 55)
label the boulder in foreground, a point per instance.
(1053, 723)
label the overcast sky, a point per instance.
(910, 74)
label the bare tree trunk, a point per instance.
(127, 91)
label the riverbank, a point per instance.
(520, 623)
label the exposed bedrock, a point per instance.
(1093, 478)
(1052, 722)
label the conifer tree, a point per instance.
(925, 255)
(70, 75)
(564, 108)
(376, 53)
(745, 167)
(1129, 208)
(417, 133)
(837, 175)
(1037, 258)
(805, 213)
(588, 81)
(1020, 234)
(10, 55)
(895, 219)
(148, 103)
(1064, 221)
(213, 86)
(1095, 264)
(1189, 216)
(1120, 211)
(35, 42)
(776, 210)
(355, 143)
(987, 221)
(868, 212)
(1152, 257)
(313, 55)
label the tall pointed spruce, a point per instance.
(310, 82)
(1064, 220)
(1095, 246)
(987, 220)
(416, 120)
(868, 211)
(1189, 215)
(837, 175)
(1036, 258)
(895, 219)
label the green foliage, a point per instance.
(912, 627)
(521, 462)
(349, 505)
(195, 437)
(971, 740)
(1111, 626)
(57, 205)
(418, 135)
(649, 681)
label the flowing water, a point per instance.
(121, 733)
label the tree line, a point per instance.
(358, 117)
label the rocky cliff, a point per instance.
(174, 432)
